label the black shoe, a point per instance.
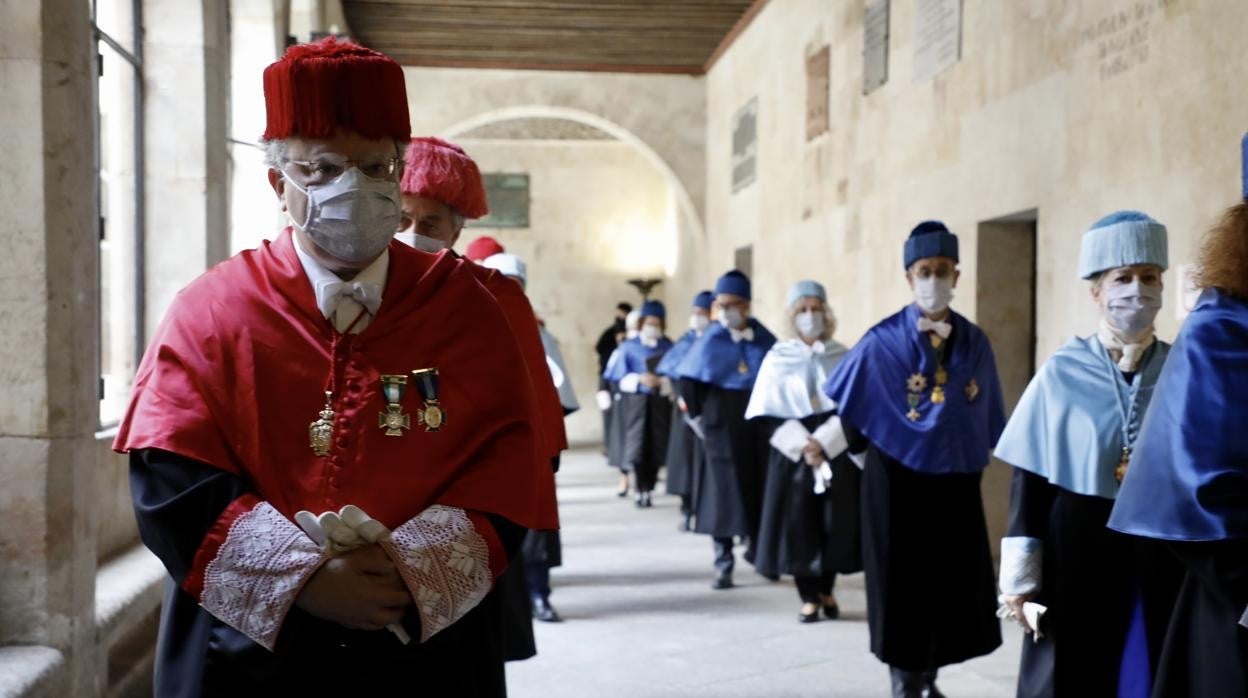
(812, 617)
(931, 690)
(647, 500)
(723, 581)
(622, 493)
(832, 612)
(543, 611)
(686, 523)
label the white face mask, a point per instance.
(352, 217)
(732, 318)
(933, 294)
(651, 333)
(421, 242)
(699, 323)
(1131, 308)
(809, 324)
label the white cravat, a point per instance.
(940, 327)
(341, 301)
(737, 335)
(1128, 355)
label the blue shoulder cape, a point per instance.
(632, 359)
(870, 387)
(1188, 477)
(671, 360)
(716, 360)
(1067, 428)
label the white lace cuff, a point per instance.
(831, 435)
(445, 564)
(258, 571)
(1021, 565)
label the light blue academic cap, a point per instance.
(1121, 239)
(803, 289)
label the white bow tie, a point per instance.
(940, 327)
(331, 293)
(737, 335)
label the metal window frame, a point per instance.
(135, 59)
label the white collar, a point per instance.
(323, 280)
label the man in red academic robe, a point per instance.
(442, 188)
(332, 368)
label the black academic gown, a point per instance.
(1091, 577)
(646, 419)
(931, 590)
(729, 493)
(802, 533)
(176, 501)
(680, 451)
(1206, 649)
(616, 425)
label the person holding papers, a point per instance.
(810, 518)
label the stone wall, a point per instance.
(1070, 109)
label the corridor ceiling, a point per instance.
(629, 36)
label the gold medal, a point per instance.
(1121, 471)
(938, 395)
(432, 417)
(972, 391)
(743, 368)
(942, 376)
(321, 432)
(936, 340)
(393, 420)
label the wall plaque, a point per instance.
(744, 145)
(508, 196)
(875, 46)
(818, 81)
(937, 36)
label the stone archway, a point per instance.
(687, 207)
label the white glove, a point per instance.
(344, 531)
(604, 400)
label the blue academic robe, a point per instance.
(871, 386)
(1188, 484)
(716, 377)
(931, 592)
(632, 358)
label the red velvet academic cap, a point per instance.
(319, 87)
(443, 171)
(482, 248)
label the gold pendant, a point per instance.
(321, 432)
(431, 417)
(912, 415)
(972, 391)
(743, 368)
(936, 340)
(1120, 472)
(938, 395)
(393, 420)
(942, 376)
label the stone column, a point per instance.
(186, 75)
(48, 406)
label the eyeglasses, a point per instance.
(326, 169)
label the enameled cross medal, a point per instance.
(393, 420)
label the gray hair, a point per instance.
(829, 319)
(275, 153)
